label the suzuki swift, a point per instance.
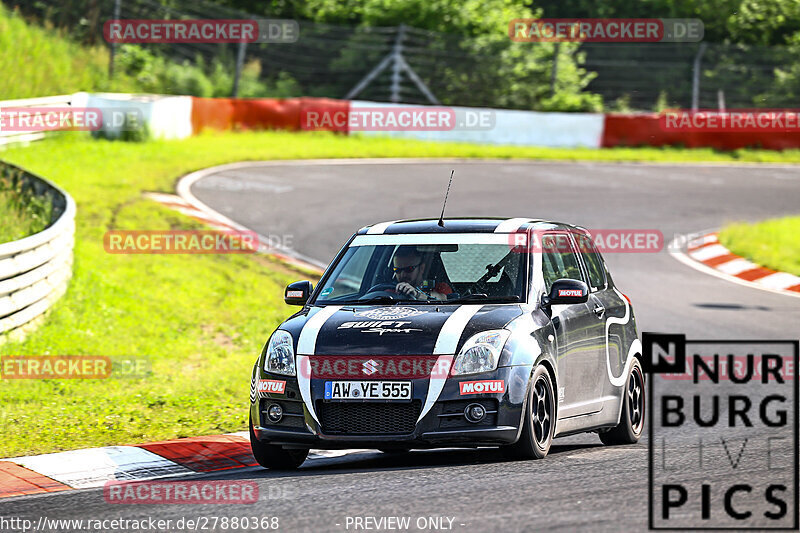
(466, 332)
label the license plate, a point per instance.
(367, 390)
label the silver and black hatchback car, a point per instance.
(474, 332)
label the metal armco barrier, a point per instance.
(35, 271)
(11, 136)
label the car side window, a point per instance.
(594, 263)
(559, 259)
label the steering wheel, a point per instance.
(382, 289)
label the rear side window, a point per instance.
(559, 259)
(594, 263)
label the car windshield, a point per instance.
(427, 269)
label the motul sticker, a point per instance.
(482, 387)
(570, 292)
(271, 385)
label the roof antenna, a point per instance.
(441, 218)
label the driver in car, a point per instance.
(409, 270)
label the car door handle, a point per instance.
(599, 310)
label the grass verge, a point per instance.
(772, 243)
(42, 61)
(200, 319)
(22, 214)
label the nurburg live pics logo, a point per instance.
(723, 433)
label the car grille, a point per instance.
(369, 418)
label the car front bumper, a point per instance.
(443, 426)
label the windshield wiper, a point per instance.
(482, 296)
(375, 300)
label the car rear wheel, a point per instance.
(539, 422)
(275, 457)
(631, 423)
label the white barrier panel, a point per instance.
(509, 127)
(167, 117)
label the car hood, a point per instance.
(394, 330)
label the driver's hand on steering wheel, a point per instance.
(410, 290)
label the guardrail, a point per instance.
(35, 271)
(11, 136)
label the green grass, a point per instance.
(42, 61)
(21, 214)
(201, 319)
(773, 243)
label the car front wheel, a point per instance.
(275, 457)
(539, 422)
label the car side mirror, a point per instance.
(297, 293)
(566, 292)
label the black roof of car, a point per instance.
(454, 225)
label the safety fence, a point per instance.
(414, 65)
(35, 271)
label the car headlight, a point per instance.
(280, 354)
(481, 352)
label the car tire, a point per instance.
(275, 457)
(539, 421)
(631, 422)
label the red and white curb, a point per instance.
(208, 216)
(180, 205)
(184, 190)
(94, 467)
(705, 253)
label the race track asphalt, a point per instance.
(315, 206)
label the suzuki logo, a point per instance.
(369, 367)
